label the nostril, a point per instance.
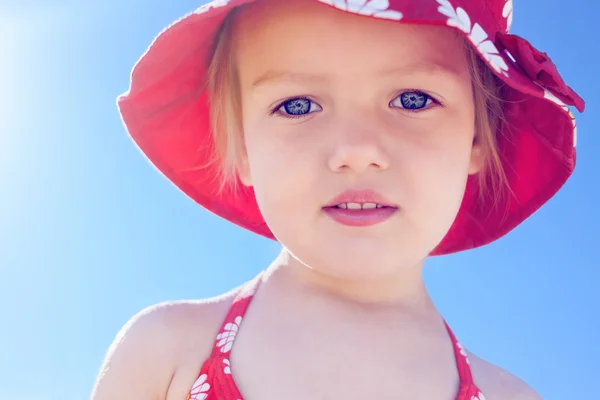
(358, 158)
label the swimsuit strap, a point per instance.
(237, 311)
(462, 360)
(231, 325)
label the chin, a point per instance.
(360, 256)
(357, 262)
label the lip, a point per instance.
(360, 217)
(360, 196)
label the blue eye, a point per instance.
(297, 107)
(413, 100)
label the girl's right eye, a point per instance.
(297, 107)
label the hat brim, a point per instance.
(166, 114)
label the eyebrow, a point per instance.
(422, 67)
(425, 67)
(278, 76)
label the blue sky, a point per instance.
(90, 233)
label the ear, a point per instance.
(243, 167)
(477, 158)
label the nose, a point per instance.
(358, 150)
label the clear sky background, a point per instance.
(90, 233)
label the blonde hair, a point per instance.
(225, 110)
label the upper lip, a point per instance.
(361, 197)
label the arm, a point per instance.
(139, 364)
(499, 384)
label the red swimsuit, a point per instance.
(216, 383)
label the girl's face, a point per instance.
(334, 102)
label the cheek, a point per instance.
(436, 173)
(283, 171)
(442, 178)
(274, 156)
(282, 151)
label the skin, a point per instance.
(355, 139)
(350, 300)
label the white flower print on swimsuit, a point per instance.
(375, 8)
(216, 381)
(480, 396)
(200, 389)
(460, 19)
(227, 337)
(227, 367)
(463, 352)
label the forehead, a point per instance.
(295, 34)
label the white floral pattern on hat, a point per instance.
(213, 4)
(375, 8)
(548, 95)
(507, 12)
(460, 19)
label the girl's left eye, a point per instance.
(297, 107)
(412, 100)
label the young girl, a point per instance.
(364, 136)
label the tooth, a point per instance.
(343, 205)
(369, 206)
(353, 206)
(379, 206)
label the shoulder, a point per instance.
(158, 352)
(499, 384)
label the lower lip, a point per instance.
(368, 217)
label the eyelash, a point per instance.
(428, 100)
(278, 108)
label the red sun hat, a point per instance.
(166, 113)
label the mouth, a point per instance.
(360, 208)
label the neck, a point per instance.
(404, 288)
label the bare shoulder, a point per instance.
(158, 352)
(499, 384)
